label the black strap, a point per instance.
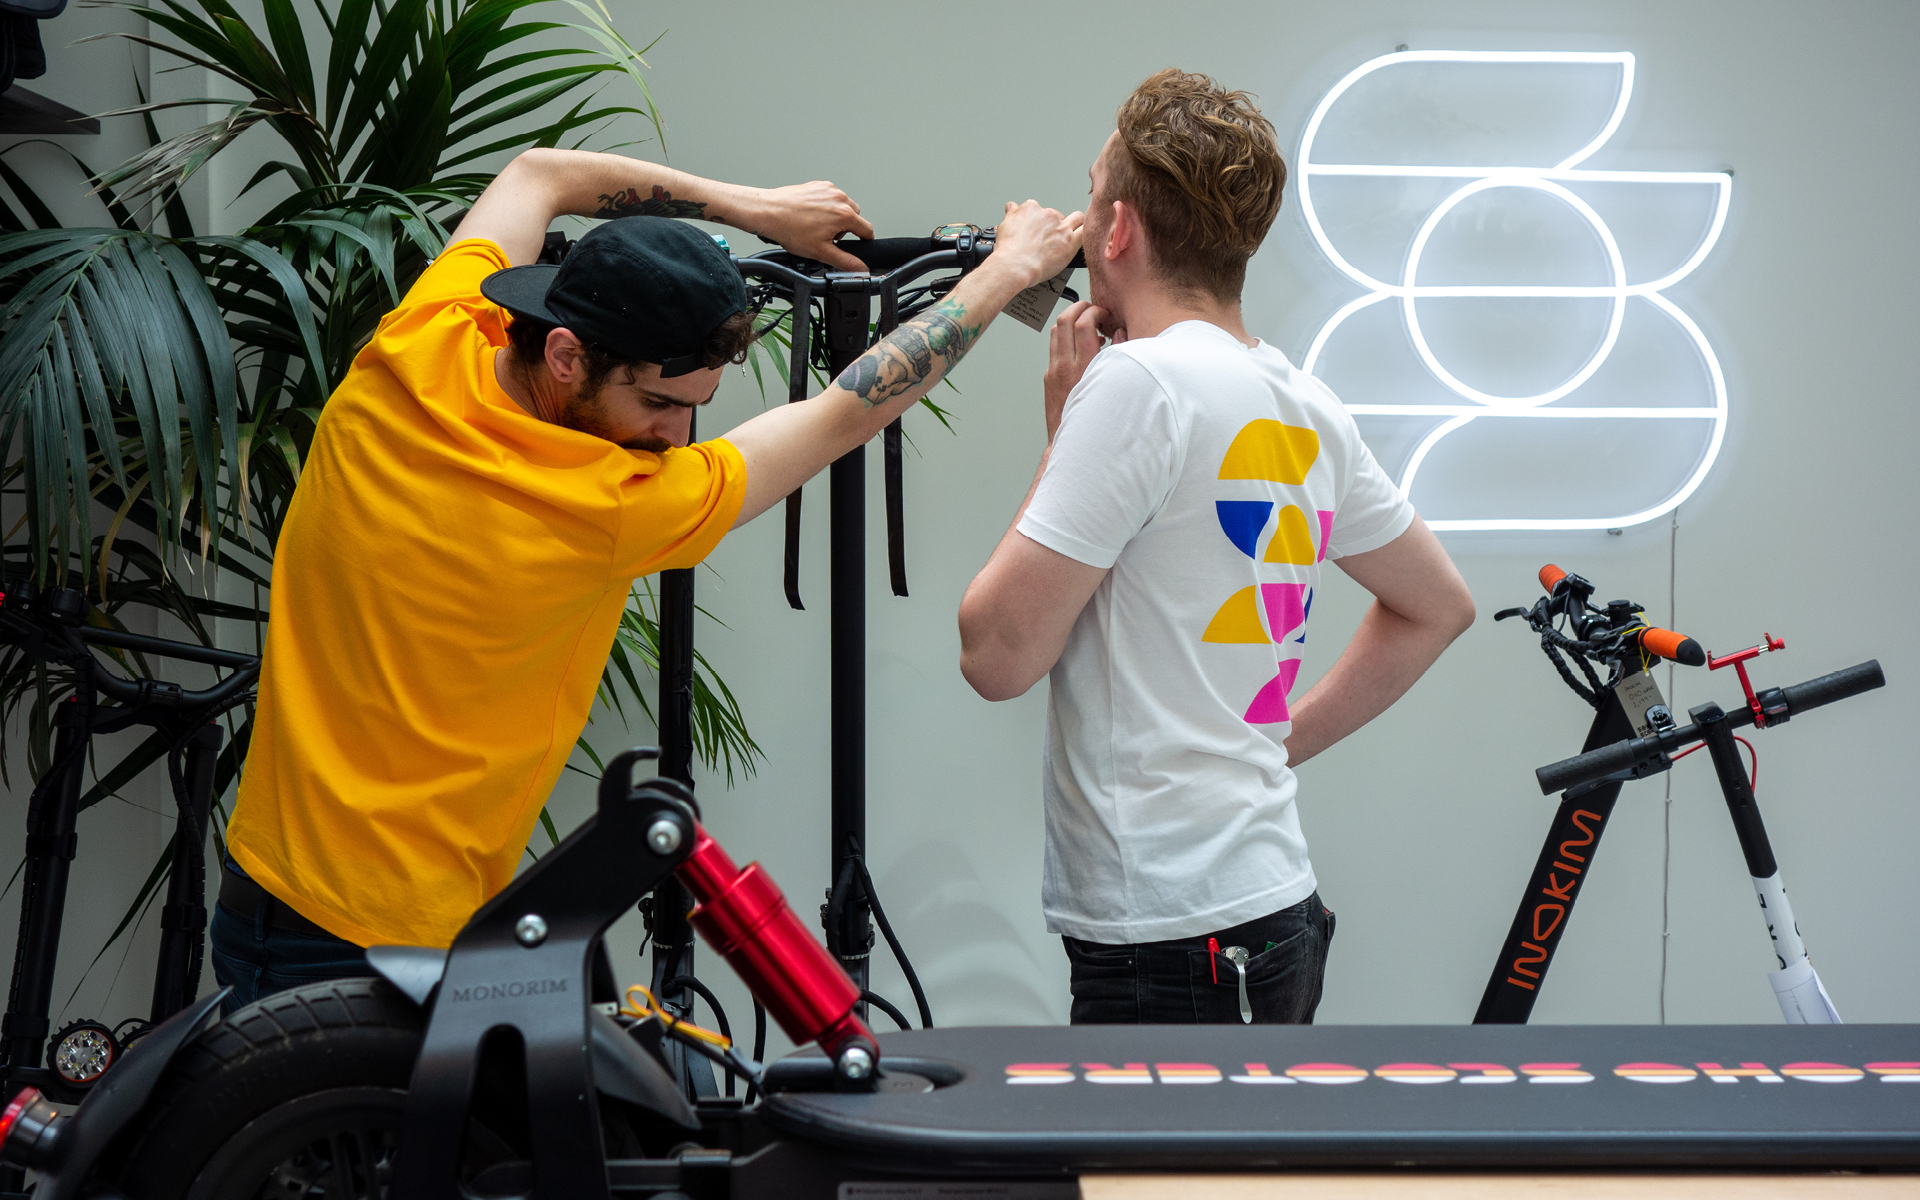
(802, 345)
(791, 575)
(896, 510)
(895, 468)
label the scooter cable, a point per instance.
(650, 1009)
(699, 989)
(886, 1006)
(893, 943)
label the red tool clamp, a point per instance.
(1738, 661)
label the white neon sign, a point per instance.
(1560, 181)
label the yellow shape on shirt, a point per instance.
(1237, 621)
(1271, 450)
(1292, 542)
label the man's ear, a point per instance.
(566, 357)
(1124, 233)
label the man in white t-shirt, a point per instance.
(1162, 570)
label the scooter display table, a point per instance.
(1034, 1101)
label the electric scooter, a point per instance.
(497, 1070)
(1634, 735)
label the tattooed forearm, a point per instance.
(905, 358)
(628, 202)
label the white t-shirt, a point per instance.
(1212, 479)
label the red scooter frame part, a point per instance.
(744, 916)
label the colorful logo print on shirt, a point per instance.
(1273, 452)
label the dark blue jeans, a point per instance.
(257, 960)
(1178, 982)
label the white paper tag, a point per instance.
(1034, 307)
(1638, 693)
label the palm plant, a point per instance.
(173, 378)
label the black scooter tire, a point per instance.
(328, 1059)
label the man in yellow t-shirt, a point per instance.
(507, 454)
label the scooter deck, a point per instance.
(1052, 1100)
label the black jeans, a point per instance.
(256, 959)
(1178, 982)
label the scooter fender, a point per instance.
(120, 1096)
(621, 1068)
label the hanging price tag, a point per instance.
(1638, 693)
(1034, 307)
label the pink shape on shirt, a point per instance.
(1286, 608)
(1326, 531)
(1270, 705)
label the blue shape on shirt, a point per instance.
(1242, 521)
(1306, 610)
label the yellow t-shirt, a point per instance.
(445, 593)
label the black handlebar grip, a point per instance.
(881, 255)
(1571, 772)
(885, 254)
(1838, 686)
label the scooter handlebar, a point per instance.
(882, 255)
(1571, 772)
(1841, 684)
(1622, 755)
(887, 254)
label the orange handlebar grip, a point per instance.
(1676, 646)
(1550, 576)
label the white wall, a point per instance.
(1424, 825)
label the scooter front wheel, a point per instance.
(299, 1094)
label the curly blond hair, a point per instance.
(1202, 168)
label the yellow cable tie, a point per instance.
(652, 1009)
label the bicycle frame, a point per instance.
(48, 625)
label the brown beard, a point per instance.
(583, 415)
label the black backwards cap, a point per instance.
(644, 289)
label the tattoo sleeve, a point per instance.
(628, 202)
(905, 358)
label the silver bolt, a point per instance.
(531, 930)
(855, 1062)
(663, 836)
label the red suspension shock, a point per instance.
(744, 916)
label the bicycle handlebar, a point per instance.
(1632, 752)
(63, 639)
